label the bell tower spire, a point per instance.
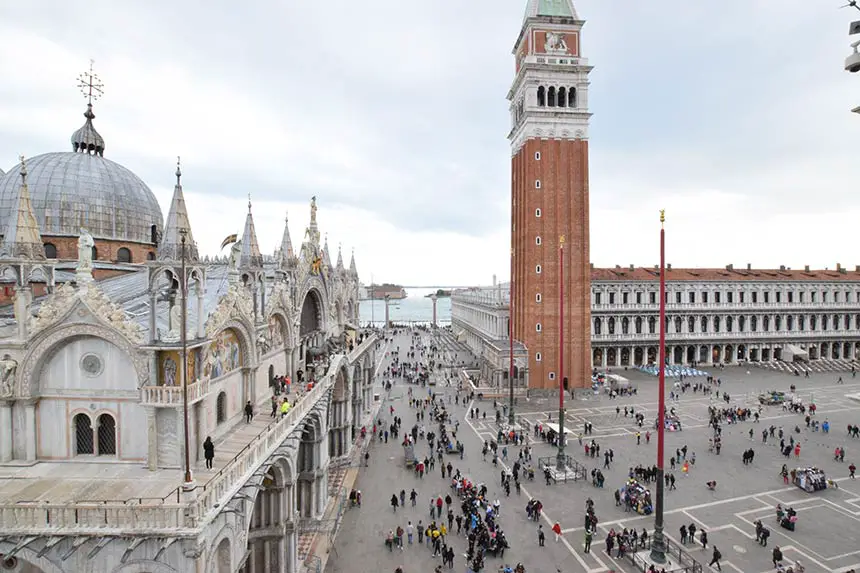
(549, 193)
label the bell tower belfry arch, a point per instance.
(549, 192)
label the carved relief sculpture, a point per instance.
(555, 43)
(8, 366)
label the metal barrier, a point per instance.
(574, 471)
(674, 551)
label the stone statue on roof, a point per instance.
(313, 210)
(85, 250)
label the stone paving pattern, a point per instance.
(826, 538)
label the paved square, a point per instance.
(826, 538)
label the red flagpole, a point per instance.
(658, 544)
(561, 460)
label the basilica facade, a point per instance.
(109, 315)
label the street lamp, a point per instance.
(183, 285)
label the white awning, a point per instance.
(791, 353)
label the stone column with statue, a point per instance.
(84, 269)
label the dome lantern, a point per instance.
(87, 139)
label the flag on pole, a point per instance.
(229, 240)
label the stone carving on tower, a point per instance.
(23, 255)
(250, 267)
(177, 248)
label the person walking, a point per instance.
(394, 502)
(588, 537)
(274, 406)
(249, 412)
(777, 556)
(556, 528)
(541, 536)
(208, 452)
(715, 558)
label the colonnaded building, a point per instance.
(92, 430)
(771, 317)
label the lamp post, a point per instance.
(183, 285)
(511, 417)
(560, 462)
(658, 544)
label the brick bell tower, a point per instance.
(549, 193)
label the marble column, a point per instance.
(30, 430)
(5, 431)
(23, 297)
(434, 298)
(201, 313)
(152, 439)
(291, 549)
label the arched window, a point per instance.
(813, 322)
(638, 325)
(716, 324)
(150, 256)
(95, 253)
(823, 322)
(50, 250)
(550, 97)
(221, 408)
(835, 322)
(704, 324)
(790, 323)
(753, 323)
(652, 325)
(691, 324)
(597, 324)
(562, 97)
(571, 97)
(801, 323)
(777, 323)
(541, 96)
(678, 323)
(107, 435)
(83, 435)
(611, 325)
(625, 325)
(123, 255)
(847, 318)
(766, 323)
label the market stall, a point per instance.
(810, 479)
(638, 496)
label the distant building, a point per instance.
(480, 317)
(713, 316)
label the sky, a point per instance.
(734, 116)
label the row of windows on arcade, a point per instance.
(100, 440)
(703, 297)
(730, 323)
(123, 255)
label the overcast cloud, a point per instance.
(732, 115)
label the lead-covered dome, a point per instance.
(74, 190)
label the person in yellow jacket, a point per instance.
(285, 407)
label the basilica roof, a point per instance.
(73, 190)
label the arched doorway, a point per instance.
(729, 353)
(224, 557)
(834, 351)
(742, 352)
(268, 548)
(638, 356)
(338, 416)
(678, 356)
(716, 358)
(625, 356)
(703, 354)
(597, 357)
(612, 355)
(312, 313)
(691, 354)
(652, 355)
(311, 485)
